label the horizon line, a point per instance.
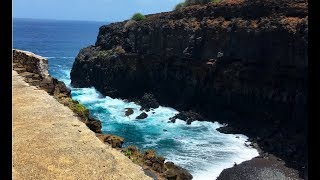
(61, 19)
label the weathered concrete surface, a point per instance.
(49, 142)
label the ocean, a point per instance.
(198, 147)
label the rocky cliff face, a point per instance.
(241, 62)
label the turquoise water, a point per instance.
(197, 147)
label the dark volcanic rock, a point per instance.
(259, 169)
(148, 101)
(229, 130)
(188, 116)
(244, 63)
(128, 111)
(142, 116)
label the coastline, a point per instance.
(34, 70)
(49, 141)
(224, 66)
(274, 164)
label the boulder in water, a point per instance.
(142, 116)
(128, 111)
(188, 116)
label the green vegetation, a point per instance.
(127, 152)
(138, 17)
(75, 106)
(193, 2)
(179, 6)
(79, 109)
(103, 54)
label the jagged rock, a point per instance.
(172, 120)
(142, 116)
(155, 162)
(48, 85)
(174, 172)
(148, 101)
(94, 125)
(128, 111)
(133, 149)
(61, 90)
(113, 140)
(228, 130)
(188, 116)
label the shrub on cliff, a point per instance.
(79, 109)
(179, 6)
(138, 17)
(193, 2)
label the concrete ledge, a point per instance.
(49, 142)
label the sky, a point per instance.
(88, 10)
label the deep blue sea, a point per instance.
(198, 147)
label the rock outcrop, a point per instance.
(128, 111)
(188, 116)
(156, 164)
(114, 141)
(260, 168)
(148, 101)
(143, 115)
(240, 62)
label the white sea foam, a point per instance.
(65, 77)
(63, 57)
(198, 147)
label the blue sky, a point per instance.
(92, 10)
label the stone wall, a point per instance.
(30, 62)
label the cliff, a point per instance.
(241, 62)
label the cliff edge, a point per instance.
(49, 141)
